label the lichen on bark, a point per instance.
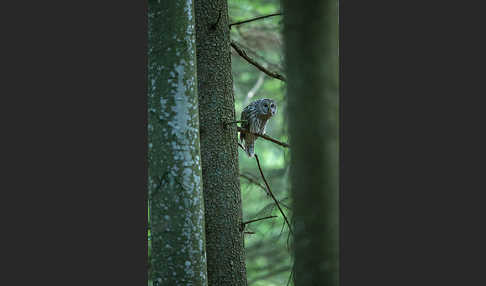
(178, 254)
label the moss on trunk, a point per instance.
(219, 154)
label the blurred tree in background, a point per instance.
(268, 243)
(311, 45)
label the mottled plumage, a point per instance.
(256, 115)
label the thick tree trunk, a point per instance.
(222, 198)
(175, 184)
(311, 44)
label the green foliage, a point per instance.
(267, 250)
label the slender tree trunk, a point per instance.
(219, 154)
(311, 42)
(175, 185)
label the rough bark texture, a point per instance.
(175, 184)
(222, 198)
(311, 44)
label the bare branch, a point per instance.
(258, 219)
(243, 224)
(264, 137)
(255, 55)
(254, 19)
(271, 194)
(243, 54)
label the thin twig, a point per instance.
(258, 219)
(271, 194)
(290, 276)
(254, 19)
(264, 137)
(241, 146)
(285, 204)
(243, 54)
(288, 242)
(250, 52)
(243, 224)
(281, 230)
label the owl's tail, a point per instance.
(250, 149)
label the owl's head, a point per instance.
(268, 107)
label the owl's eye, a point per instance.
(272, 106)
(266, 105)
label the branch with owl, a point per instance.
(254, 119)
(266, 137)
(243, 54)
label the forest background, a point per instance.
(268, 259)
(267, 242)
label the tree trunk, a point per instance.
(219, 154)
(175, 185)
(311, 45)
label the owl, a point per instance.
(256, 115)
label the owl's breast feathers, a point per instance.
(245, 124)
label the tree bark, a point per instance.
(175, 176)
(311, 53)
(219, 154)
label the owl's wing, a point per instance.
(244, 125)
